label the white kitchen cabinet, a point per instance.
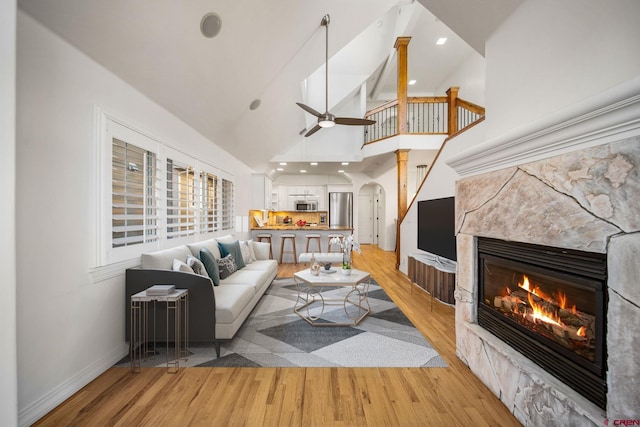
(275, 197)
(288, 195)
(260, 192)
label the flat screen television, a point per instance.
(436, 227)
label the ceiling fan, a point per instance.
(327, 119)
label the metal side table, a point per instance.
(143, 309)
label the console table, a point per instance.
(434, 276)
(177, 303)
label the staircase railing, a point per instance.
(425, 116)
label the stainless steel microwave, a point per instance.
(306, 205)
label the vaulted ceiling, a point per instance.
(273, 52)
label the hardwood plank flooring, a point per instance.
(450, 396)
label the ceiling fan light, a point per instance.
(326, 123)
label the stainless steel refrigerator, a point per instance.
(340, 209)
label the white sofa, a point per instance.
(215, 312)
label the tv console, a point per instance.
(434, 274)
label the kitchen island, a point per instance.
(300, 232)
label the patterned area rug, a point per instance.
(275, 336)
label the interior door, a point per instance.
(365, 219)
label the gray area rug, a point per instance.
(275, 336)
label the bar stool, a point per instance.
(267, 237)
(313, 237)
(292, 239)
(332, 236)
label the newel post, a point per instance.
(452, 103)
(401, 46)
(402, 156)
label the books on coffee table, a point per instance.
(161, 290)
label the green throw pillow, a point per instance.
(211, 265)
(232, 248)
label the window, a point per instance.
(182, 203)
(133, 202)
(227, 205)
(147, 194)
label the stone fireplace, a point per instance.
(583, 197)
(549, 304)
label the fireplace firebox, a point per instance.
(550, 305)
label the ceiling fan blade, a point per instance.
(313, 130)
(353, 121)
(308, 109)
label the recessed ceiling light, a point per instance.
(340, 170)
(280, 169)
(412, 82)
(345, 163)
(441, 41)
(303, 171)
(210, 25)
(283, 163)
(314, 163)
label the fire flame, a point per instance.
(582, 331)
(543, 315)
(526, 285)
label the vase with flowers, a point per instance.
(347, 245)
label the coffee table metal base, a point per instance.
(310, 296)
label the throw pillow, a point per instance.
(197, 266)
(246, 252)
(227, 266)
(232, 248)
(181, 266)
(211, 265)
(253, 254)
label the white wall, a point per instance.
(70, 319)
(470, 78)
(8, 361)
(550, 54)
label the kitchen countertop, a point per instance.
(305, 228)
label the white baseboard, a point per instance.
(36, 410)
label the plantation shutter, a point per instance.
(209, 212)
(227, 205)
(182, 200)
(133, 195)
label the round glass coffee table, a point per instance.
(311, 303)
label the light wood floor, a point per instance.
(450, 396)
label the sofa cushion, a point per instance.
(211, 244)
(232, 248)
(211, 265)
(268, 265)
(231, 301)
(246, 277)
(226, 239)
(227, 266)
(261, 249)
(181, 266)
(163, 260)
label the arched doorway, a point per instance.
(371, 214)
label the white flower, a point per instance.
(347, 244)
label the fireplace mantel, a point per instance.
(609, 116)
